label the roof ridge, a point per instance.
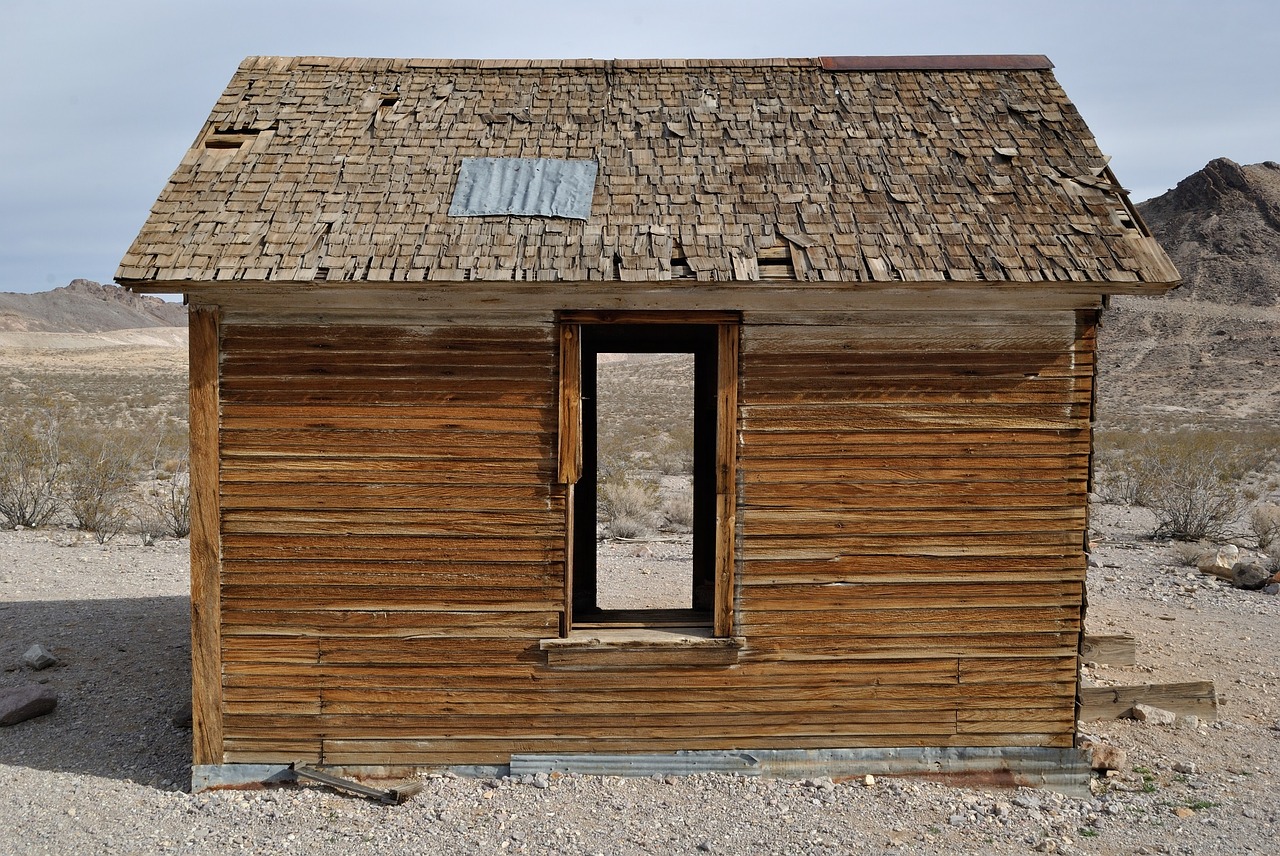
(939, 62)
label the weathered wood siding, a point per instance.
(910, 524)
(914, 486)
(389, 525)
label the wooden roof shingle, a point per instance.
(853, 170)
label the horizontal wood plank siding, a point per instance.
(390, 507)
(915, 483)
(909, 566)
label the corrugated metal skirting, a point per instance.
(1062, 770)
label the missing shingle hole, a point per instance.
(680, 267)
(775, 262)
(232, 138)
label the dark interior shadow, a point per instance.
(123, 685)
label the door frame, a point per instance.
(713, 338)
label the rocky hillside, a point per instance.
(1210, 349)
(85, 306)
(1221, 227)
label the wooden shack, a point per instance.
(889, 271)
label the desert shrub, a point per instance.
(1188, 553)
(100, 465)
(612, 455)
(677, 509)
(1191, 482)
(30, 465)
(673, 451)
(170, 503)
(166, 498)
(627, 503)
(628, 527)
(1264, 520)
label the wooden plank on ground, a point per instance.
(1120, 649)
(1195, 698)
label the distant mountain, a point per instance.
(85, 306)
(1208, 351)
(1221, 227)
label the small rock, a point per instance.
(869, 781)
(541, 781)
(38, 657)
(1152, 715)
(1249, 575)
(18, 704)
(1220, 563)
(1272, 588)
(956, 820)
(1104, 756)
(1189, 721)
(182, 716)
(1187, 767)
(1184, 812)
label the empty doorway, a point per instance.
(632, 463)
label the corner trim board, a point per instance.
(206, 543)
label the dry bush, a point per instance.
(100, 468)
(1122, 476)
(673, 451)
(1188, 553)
(1264, 520)
(169, 504)
(30, 465)
(62, 439)
(628, 504)
(1191, 481)
(166, 498)
(628, 527)
(677, 509)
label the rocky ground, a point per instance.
(106, 772)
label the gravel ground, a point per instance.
(106, 772)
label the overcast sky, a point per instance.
(99, 99)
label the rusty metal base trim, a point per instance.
(1063, 770)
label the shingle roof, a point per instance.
(841, 169)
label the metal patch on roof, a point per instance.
(526, 187)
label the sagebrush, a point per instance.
(101, 477)
(627, 505)
(30, 466)
(1190, 479)
(1264, 520)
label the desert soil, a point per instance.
(107, 771)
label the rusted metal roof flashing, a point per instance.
(953, 62)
